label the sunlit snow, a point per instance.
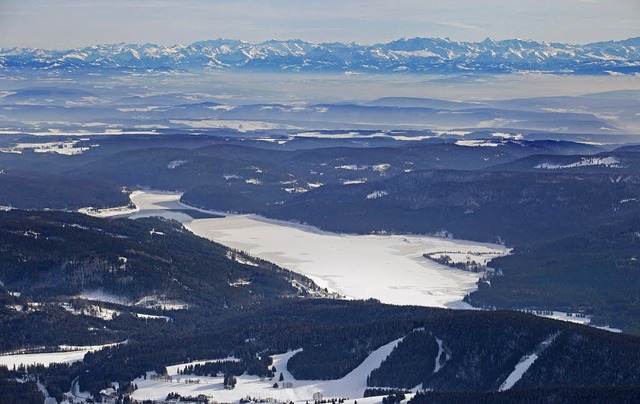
(377, 194)
(390, 268)
(525, 363)
(610, 162)
(66, 148)
(351, 386)
(69, 354)
(477, 143)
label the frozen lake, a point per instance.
(388, 268)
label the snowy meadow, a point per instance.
(352, 386)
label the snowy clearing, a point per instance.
(106, 314)
(522, 366)
(352, 167)
(175, 164)
(351, 386)
(516, 136)
(108, 212)
(99, 295)
(92, 310)
(477, 143)
(383, 135)
(66, 148)
(352, 182)
(610, 162)
(525, 363)
(161, 303)
(381, 168)
(393, 265)
(158, 302)
(377, 194)
(69, 354)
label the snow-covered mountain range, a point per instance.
(405, 55)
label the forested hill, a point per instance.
(526, 194)
(78, 272)
(443, 350)
(51, 261)
(53, 254)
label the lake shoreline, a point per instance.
(389, 268)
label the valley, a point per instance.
(393, 265)
(177, 231)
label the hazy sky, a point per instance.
(62, 24)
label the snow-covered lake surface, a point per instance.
(390, 268)
(351, 386)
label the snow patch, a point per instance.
(222, 108)
(520, 369)
(516, 136)
(161, 303)
(352, 167)
(351, 386)
(423, 53)
(345, 135)
(240, 258)
(108, 212)
(92, 310)
(525, 363)
(152, 317)
(67, 148)
(296, 190)
(68, 354)
(610, 162)
(477, 143)
(139, 109)
(101, 296)
(451, 132)
(175, 163)
(439, 359)
(357, 181)
(377, 194)
(381, 168)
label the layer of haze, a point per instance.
(242, 88)
(64, 24)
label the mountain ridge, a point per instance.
(419, 55)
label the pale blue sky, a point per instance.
(63, 24)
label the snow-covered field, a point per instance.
(69, 354)
(108, 212)
(610, 162)
(390, 268)
(351, 386)
(67, 148)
